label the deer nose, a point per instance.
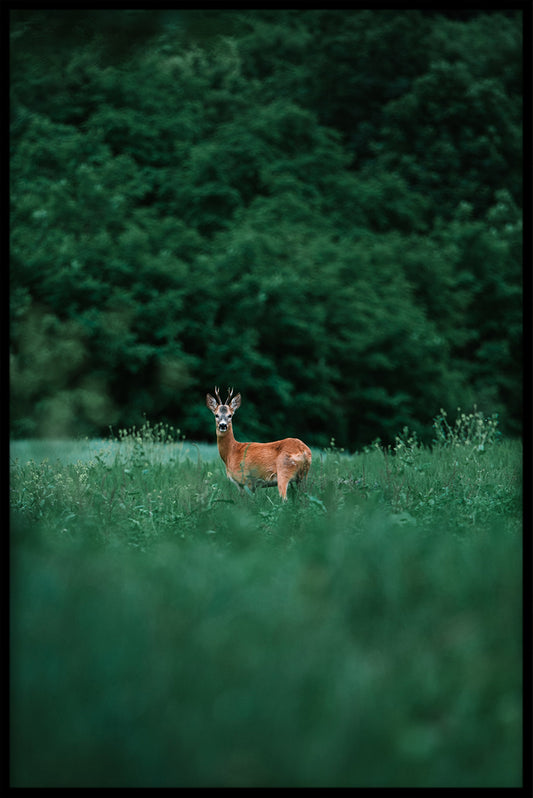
(222, 426)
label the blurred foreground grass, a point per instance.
(167, 632)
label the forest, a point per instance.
(322, 208)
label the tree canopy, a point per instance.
(322, 208)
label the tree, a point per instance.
(320, 207)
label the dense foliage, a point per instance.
(168, 632)
(320, 207)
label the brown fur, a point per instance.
(257, 464)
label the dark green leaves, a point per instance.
(319, 206)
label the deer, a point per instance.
(253, 465)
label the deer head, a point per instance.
(223, 412)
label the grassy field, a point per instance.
(168, 632)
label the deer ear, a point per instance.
(235, 402)
(211, 402)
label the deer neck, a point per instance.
(225, 442)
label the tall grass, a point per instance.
(166, 631)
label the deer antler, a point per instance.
(230, 394)
(217, 396)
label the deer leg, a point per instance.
(286, 470)
(282, 486)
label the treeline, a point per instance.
(322, 208)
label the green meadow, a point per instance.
(168, 632)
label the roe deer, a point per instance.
(257, 464)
